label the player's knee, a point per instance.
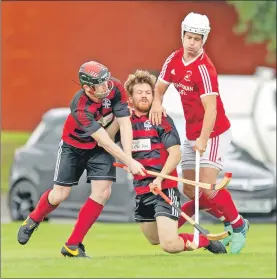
(58, 194)
(188, 190)
(107, 193)
(169, 246)
(101, 194)
(154, 241)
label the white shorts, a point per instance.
(213, 157)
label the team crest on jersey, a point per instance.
(106, 103)
(187, 76)
(147, 125)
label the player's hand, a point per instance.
(136, 168)
(200, 145)
(131, 109)
(156, 113)
(157, 183)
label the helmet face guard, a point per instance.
(93, 73)
(104, 94)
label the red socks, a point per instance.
(203, 241)
(224, 202)
(204, 203)
(43, 208)
(88, 214)
(188, 208)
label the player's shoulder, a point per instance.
(76, 98)
(117, 84)
(205, 62)
(167, 122)
(175, 55)
(116, 81)
(205, 66)
(118, 89)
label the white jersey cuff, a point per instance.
(208, 94)
(164, 81)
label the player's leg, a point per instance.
(150, 231)
(188, 168)
(65, 176)
(167, 223)
(101, 173)
(172, 242)
(211, 164)
(144, 215)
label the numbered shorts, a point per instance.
(149, 206)
(72, 161)
(214, 155)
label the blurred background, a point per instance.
(43, 46)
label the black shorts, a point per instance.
(149, 206)
(72, 161)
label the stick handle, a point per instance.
(174, 178)
(119, 165)
(196, 196)
(203, 185)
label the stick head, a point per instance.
(217, 236)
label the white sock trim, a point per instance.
(233, 222)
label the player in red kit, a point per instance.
(207, 128)
(92, 110)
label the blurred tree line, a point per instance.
(258, 20)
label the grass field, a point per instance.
(120, 250)
(9, 142)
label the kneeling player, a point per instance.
(157, 148)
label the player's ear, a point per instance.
(130, 100)
(85, 87)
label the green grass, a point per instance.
(9, 142)
(120, 250)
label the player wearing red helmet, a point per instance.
(85, 145)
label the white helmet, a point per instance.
(196, 23)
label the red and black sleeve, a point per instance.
(168, 132)
(84, 117)
(120, 105)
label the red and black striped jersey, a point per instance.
(86, 116)
(150, 144)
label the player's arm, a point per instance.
(102, 137)
(112, 129)
(126, 134)
(171, 140)
(92, 128)
(163, 82)
(160, 89)
(208, 90)
(122, 113)
(209, 104)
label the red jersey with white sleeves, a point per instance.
(195, 80)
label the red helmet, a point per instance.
(93, 73)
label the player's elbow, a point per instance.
(175, 152)
(102, 137)
(160, 88)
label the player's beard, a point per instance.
(143, 106)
